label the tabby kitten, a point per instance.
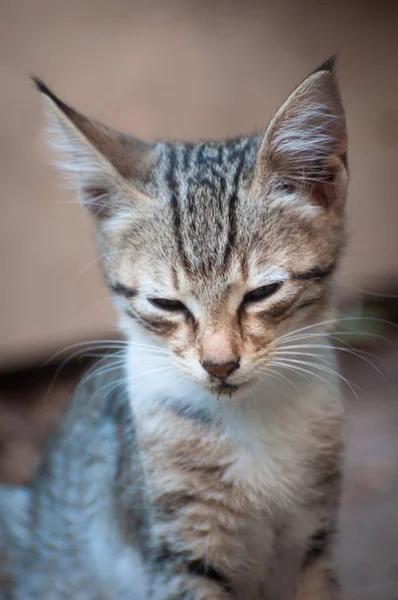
(221, 258)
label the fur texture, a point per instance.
(221, 258)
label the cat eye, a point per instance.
(169, 305)
(262, 292)
(285, 187)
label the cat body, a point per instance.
(221, 257)
(247, 499)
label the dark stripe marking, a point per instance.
(233, 200)
(315, 273)
(170, 177)
(278, 310)
(186, 155)
(119, 288)
(200, 155)
(220, 155)
(319, 544)
(170, 503)
(158, 326)
(198, 567)
(309, 302)
(165, 554)
(187, 411)
(221, 194)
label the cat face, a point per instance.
(217, 250)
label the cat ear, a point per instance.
(109, 167)
(305, 146)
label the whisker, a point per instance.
(328, 336)
(279, 378)
(81, 353)
(104, 370)
(148, 361)
(153, 371)
(301, 370)
(115, 359)
(277, 374)
(111, 387)
(353, 352)
(339, 320)
(95, 260)
(147, 347)
(334, 336)
(324, 369)
(88, 310)
(367, 292)
(269, 380)
(97, 204)
(99, 355)
(321, 367)
(93, 343)
(284, 352)
(299, 373)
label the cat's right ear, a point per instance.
(304, 148)
(109, 168)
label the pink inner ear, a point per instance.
(96, 199)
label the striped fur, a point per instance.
(241, 475)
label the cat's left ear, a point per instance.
(305, 147)
(110, 169)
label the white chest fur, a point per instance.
(269, 427)
(266, 439)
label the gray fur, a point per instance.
(85, 513)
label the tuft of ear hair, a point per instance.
(328, 65)
(109, 168)
(305, 145)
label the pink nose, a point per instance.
(220, 370)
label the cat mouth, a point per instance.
(227, 389)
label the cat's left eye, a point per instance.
(262, 292)
(169, 305)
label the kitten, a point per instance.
(223, 467)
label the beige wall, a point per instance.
(174, 69)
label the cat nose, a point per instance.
(220, 370)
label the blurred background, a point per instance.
(197, 69)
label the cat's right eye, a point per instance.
(262, 292)
(169, 305)
(285, 187)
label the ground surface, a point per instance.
(368, 550)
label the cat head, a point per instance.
(215, 250)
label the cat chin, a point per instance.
(228, 390)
